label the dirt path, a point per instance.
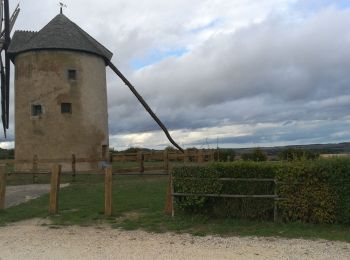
(22, 193)
(30, 240)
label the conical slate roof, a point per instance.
(59, 34)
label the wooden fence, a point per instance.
(162, 157)
(140, 162)
(55, 187)
(36, 164)
(166, 158)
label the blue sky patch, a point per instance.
(209, 25)
(315, 5)
(156, 56)
(343, 4)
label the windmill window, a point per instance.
(72, 74)
(66, 108)
(37, 110)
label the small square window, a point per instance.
(72, 74)
(36, 110)
(66, 108)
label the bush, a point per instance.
(339, 179)
(225, 155)
(199, 180)
(293, 154)
(315, 191)
(257, 155)
(308, 195)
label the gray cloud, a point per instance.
(268, 72)
(247, 63)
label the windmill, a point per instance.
(58, 36)
(6, 25)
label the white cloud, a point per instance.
(255, 72)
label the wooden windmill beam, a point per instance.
(144, 104)
(6, 25)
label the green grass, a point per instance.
(138, 204)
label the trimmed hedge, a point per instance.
(205, 179)
(315, 191)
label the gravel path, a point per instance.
(30, 240)
(22, 193)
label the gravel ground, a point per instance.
(31, 240)
(22, 193)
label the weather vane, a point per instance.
(61, 7)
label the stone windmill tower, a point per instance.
(60, 95)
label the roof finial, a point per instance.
(61, 7)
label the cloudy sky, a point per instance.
(241, 72)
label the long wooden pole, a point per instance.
(7, 60)
(144, 104)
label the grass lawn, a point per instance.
(139, 204)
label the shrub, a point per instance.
(293, 154)
(315, 191)
(338, 178)
(199, 180)
(256, 155)
(225, 155)
(308, 195)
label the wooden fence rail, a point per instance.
(163, 157)
(193, 156)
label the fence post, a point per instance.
(108, 191)
(35, 166)
(73, 167)
(111, 158)
(275, 213)
(55, 187)
(166, 161)
(200, 156)
(169, 204)
(212, 155)
(3, 176)
(141, 159)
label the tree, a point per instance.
(133, 150)
(294, 154)
(170, 148)
(225, 155)
(257, 155)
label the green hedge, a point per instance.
(196, 179)
(315, 191)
